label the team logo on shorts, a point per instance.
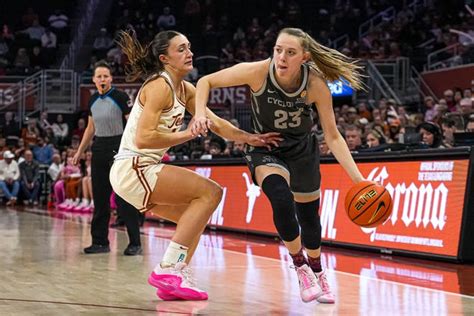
(269, 159)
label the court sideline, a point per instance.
(46, 273)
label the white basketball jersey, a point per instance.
(170, 121)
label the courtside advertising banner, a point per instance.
(428, 201)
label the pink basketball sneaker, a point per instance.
(327, 296)
(166, 296)
(177, 281)
(309, 289)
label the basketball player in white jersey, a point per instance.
(286, 89)
(172, 192)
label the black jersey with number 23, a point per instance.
(274, 110)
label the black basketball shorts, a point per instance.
(304, 173)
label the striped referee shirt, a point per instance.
(108, 112)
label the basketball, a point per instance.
(368, 204)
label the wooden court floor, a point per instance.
(44, 272)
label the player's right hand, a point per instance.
(264, 140)
(76, 158)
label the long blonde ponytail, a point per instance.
(332, 64)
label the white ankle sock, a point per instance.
(174, 253)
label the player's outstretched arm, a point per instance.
(319, 93)
(226, 130)
(251, 74)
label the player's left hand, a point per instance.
(200, 126)
(264, 140)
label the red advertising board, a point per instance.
(236, 95)
(428, 201)
(10, 96)
(446, 78)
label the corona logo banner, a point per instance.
(428, 201)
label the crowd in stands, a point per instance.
(231, 35)
(235, 36)
(389, 127)
(32, 43)
(415, 34)
(38, 158)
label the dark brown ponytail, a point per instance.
(143, 61)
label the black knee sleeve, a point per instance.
(310, 223)
(283, 205)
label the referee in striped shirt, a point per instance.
(108, 110)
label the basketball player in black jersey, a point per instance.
(285, 91)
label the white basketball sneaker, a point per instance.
(309, 289)
(326, 297)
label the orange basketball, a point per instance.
(368, 204)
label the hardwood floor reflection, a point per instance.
(45, 272)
